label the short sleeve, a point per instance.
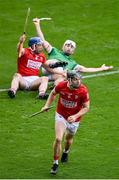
(85, 95)
(58, 87)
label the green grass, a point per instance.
(26, 144)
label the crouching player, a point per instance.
(73, 103)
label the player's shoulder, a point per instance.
(83, 88)
(42, 57)
(61, 84)
(26, 51)
(54, 50)
(42, 54)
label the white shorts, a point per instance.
(29, 80)
(70, 127)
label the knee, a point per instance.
(17, 76)
(58, 140)
(45, 79)
(69, 141)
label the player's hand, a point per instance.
(71, 119)
(36, 21)
(45, 108)
(64, 74)
(104, 67)
(22, 38)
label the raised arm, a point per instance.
(20, 44)
(81, 68)
(47, 46)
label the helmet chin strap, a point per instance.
(33, 48)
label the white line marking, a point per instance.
(100, 74)
(42, 19)
(3, 90)
(86, 77)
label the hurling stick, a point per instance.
(24, 31)
(39, 112)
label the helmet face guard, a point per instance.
(34, 40)
(74, 79)
(73, 74)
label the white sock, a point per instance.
(55, 162)
(66, 151)
(41, 93)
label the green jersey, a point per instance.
(60, 56)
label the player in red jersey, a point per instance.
(73, 103)
(29, 62)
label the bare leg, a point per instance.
(41, 85)
(54, 77)
(68, 141)
(17, 82)
(59, 132)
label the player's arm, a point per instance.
(81, 68)
(20, 44)
(49, 100)
(83, 111)
(47, 46)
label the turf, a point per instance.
(26, 144)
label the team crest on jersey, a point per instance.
(36, 58)
(76, 96)
(69, 95)
(62, 93)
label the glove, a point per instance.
(58, 64)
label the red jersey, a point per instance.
(30, 63)
(70, 101)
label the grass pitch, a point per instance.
(26, 144)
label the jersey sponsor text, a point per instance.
(68, 104)
(33, 64)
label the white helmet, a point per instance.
(70, 42)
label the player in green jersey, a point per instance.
(55, 56)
